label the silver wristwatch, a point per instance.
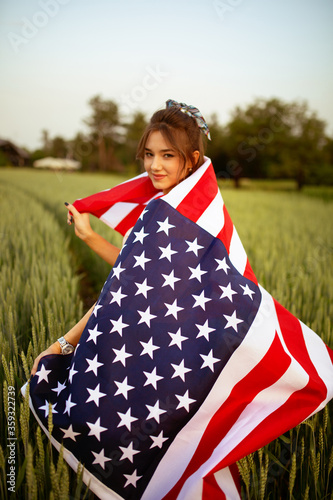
(66, 347)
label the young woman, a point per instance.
(171, 149)
(185, 364)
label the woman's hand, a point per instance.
(82, 224)
(53, 349)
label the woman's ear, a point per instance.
(195, 158)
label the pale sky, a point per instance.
(215, 54)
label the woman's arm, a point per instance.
(97, 243)
(72, 336)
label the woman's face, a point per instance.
(163, 164)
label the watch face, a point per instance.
(67, 349)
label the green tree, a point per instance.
(59, 148)
(217, 149)
(133, 132)
(271, 138)
(105, 130)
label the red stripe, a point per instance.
(200, 197)
(211, 490)
(315, 391)
(225, 234)
(129, 221)
(241, 395)
(249, 274)
(134, 191)
(300, 405)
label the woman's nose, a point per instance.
(156, 164)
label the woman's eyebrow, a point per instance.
(161, 151)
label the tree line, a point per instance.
(268, 138)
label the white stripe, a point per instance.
(237, 253)
(320, 358)
(263, 405)
(117, 213)
(212, 220)
(249, 353)
(227, 484)
(96, 486)
(244, 359)
(179, 192)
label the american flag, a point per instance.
(186, 364)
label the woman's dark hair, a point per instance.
(179, 130)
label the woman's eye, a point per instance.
(168, 155)
(148, 155)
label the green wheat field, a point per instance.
(48, 278)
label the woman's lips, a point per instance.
(158, 177)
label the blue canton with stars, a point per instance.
(170, 315)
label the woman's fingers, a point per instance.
(71, 214)
(35, 365)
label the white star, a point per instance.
(93, 334)
(118, 325)
(143, 288)
(100, 458)
(222, 264)
(193, 246)
(126, 419)
(117, 270)
(69, 405)
(184, 401)
(173, 309)
(232, 321)
(170, 279)
(97, 306)
(180, 370)
(69, 433)
(123, 388)
(152, 378)
(46, 408)
(141, 260)
(93, 365)
(42, 374)
(95, 395)
(117, 297)
(140, 236)
(177, 338)
(59, 388)
(204, 330)
(121, 355)
(72, 372)
(166, 252)
(248, 291)
(196, 273)
(143, 213)
(164, 226)
(155, 411)
(148, 348)
(132, 479)
(209, 360)
(200, 300)
(227, 292)
(158, 440)
(96, 429)
(128, 452)
(146, 317)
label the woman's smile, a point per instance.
(162, 163)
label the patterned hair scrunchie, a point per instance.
(191, 111)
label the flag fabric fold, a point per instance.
(186, 364)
